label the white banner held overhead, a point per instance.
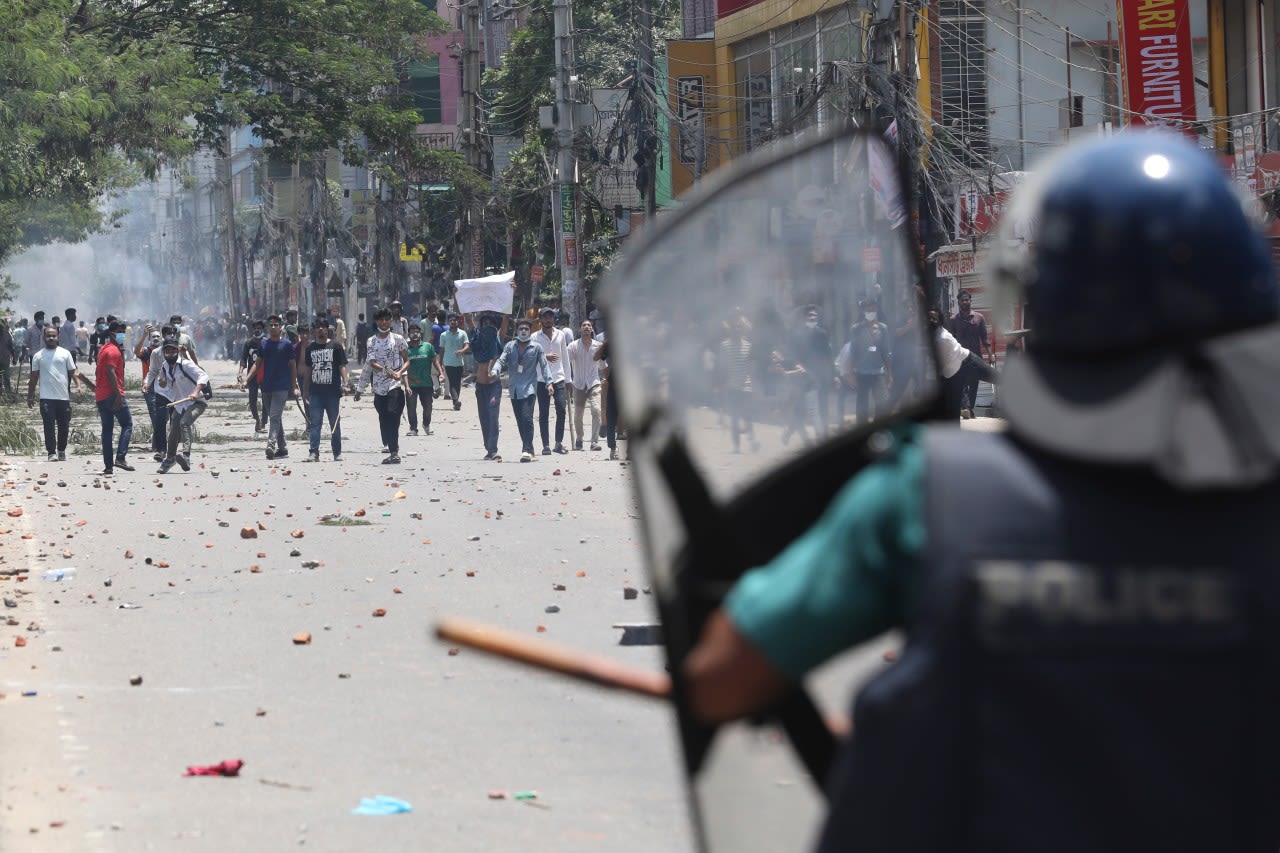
(491, 293)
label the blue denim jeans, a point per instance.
(488, 398)
(523, 408)
(109, 418)
(159, 415)
(328, 405)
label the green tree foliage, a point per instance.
(79, 117)
(606, 37)
(99, 93)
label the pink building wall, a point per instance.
(450, 71)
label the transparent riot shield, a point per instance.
(760, 339)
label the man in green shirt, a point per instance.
(422, 357)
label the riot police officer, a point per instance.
(1091, 658)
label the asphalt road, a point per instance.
(167, 591)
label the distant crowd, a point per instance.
(405, 363)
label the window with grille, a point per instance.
(962, 79)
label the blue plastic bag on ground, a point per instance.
(380, 805)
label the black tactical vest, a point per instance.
(1093, 664)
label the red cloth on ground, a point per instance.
(230, 767)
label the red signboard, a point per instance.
(1155, 37)
(977, 213)
(728, 7)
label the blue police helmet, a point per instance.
(1139, 241)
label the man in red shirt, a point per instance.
(109, 392)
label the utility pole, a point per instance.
(909, 132)
(237, 297)
(649, 109)
(565, 201)
(473, 260)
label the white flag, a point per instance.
(491, 293)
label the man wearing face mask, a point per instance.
(149, 343)
(112, 407)
(485, 348)
(250, 373)
(54, 370)
(870, 364)
(385, 366)
(324, 374)
(811, 349)
(527, 359)
(184, 379)
(157, 384)
(279, 383)
(96, 337)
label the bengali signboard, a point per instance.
(568, 221)
(1155, 60)
(951, 264)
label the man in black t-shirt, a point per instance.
(324, 379)
(250, 374)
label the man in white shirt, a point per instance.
(82, 340)
(951, 357)
(53, 369)
(555, 344)
(584, 375)
(385, 366)
(183, 380)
